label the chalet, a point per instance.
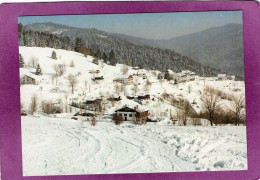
(27, 79)
(222, 77)
(85, 114)
(142, 74)
(98, 78)
(130, 97)
(92, 104)
(161, 75)
(92, 101)
(114, 98)
(184, 76)
(143, 97)
(23, 113)
(131, 114)
(94, 71)
(179, 77)
(135, 68)
(125, 79)
(233, 78)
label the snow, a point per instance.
(57, 144)
(53, 146)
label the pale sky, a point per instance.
(145, 25)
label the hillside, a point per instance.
(62, 143)
(218, 47)
(55, 88)
(125, 51)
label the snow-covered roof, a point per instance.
(90, 98)
(222, 75)
(121, 77)
(27, 72)
(141, 71)
(136, 107)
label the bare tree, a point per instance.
(34, 103)
(117, 119)
(66, 102)
(124, 69)
(72, 63)
(60, 69)
(210, 103)
(147, 86)
(93, 121)
(117, 89)
(237, 105)
(33, 62)
(55, 68)
(189, 88)
(102, 64)
(72, 82)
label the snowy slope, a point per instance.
(54, 146)
(57, 144)
(49, 89)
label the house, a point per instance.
(142, 74)
(97, 78)
(23, 113)
(114, 98)
(92, 104)
(179, 77)
(184, 76)
(143, 97)
(233, 78)
(94, 71)
(222, 77)
(27, 79)
(161, 75)
(125, 79)
(135, 68)
(132, 114)
(130, 97)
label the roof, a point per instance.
(90, 98)
(27, 72)
(222, 75)
(129, 108)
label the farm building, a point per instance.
(124, 79)
(161, 75)
(131, 114)
(222, 77)
(27, 79)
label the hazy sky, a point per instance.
(146, 25)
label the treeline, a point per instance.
(32, 38)
(114, 50)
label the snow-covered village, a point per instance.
(83, 112)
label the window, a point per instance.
(125, 114)
(130, 115)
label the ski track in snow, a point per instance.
(60, 146)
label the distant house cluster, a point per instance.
(222, 77)
(124, 79)
(184, 76)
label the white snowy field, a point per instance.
(53, 146)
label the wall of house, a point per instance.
(127, 115)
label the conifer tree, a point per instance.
(21, 61)
(112, 58)
(78, 44)
(38, 70)
(53, 55)
(104, 57)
